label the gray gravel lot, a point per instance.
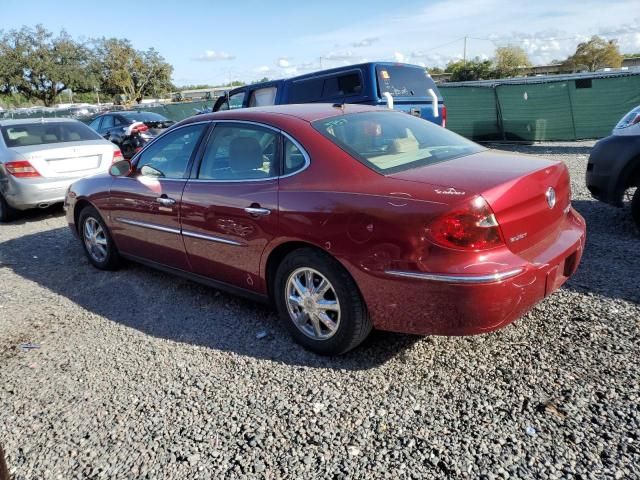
(143, 375)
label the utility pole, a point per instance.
(320, 63)
(464, 55)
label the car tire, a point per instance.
(314, 288)
(7, 212)
(96, 240)
(635, 207)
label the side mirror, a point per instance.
(122, 168)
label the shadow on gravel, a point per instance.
(610, 265)
(172, 308)
(37, 214)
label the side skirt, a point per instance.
(194, 277)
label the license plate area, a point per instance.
(76, 164)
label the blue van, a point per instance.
(408, 88)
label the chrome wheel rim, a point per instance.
(312, 303)
(95, 240)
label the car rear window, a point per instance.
(27, 134)
(391, 142)
(404, 81)
(144, 116)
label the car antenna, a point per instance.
(340, 105)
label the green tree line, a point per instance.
(510, 60)
(36, 65)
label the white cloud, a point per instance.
(399, 57)
(365, 42)
(344, 55)
(283, 62)
(263, 69)
(213, 56)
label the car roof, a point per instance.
(308, 112)
(29, 121)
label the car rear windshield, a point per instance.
(144, 116)
(404, 81)
(26, 134)
(391, 142)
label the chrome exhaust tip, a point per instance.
(43, 205)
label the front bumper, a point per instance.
(23, 194)
(467, 305)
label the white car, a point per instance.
(40, 158)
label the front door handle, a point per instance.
(257, 211)
(166, 201)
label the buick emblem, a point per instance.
(551, 197)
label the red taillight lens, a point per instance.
(444, 116)
(139, 129)
(472, 227)
(21, 169)
(117, 156)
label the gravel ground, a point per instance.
(142, 375)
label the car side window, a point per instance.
(107, 122)
(168, 157)
(294, 158)
(236, 100)
(263, 96)
(95, 124)
(239, 152)
(117, 121)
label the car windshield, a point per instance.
(404, 81)
(144, 117)
(630, 118)
(26, 134)
(391, 142)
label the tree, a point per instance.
(434, 70)
(262, 80)
(595, 54)
(510, 60)
(125, 70)
(39, 66)
(470, 70)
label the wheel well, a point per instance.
(277, 256)
(79, 206)
(634, 176)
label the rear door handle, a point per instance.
(257, 211)
(166, 201)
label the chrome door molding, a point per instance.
(212, 238)
(150, 226)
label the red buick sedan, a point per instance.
(346, 217)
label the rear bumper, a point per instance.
(412, 302)
(22, 194)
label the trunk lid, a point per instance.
(70, 159)
(515, 186)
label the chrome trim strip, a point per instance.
(466, 279)
(151, 226)
(212, 239)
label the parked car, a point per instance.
(407, 88)
(130, 129)
(347, 218)
(40, 158)
(613, 169)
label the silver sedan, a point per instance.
(40, 158)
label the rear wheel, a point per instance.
(96, 240)
(320, 303)
(7, 212)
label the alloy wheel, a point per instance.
(312, 303)
(95, 240)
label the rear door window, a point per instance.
(342, 85)
(107, 122)
(263, 97)
(404, 81)
(236, 100)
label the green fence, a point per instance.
(570, 109)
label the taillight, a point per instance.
(139, 129)
(471, 227)
(444, 116)
(117, 156)
(21, 169)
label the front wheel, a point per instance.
(96, 240)
(635, 207)
(320, 303)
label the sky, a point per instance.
(212, 42)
